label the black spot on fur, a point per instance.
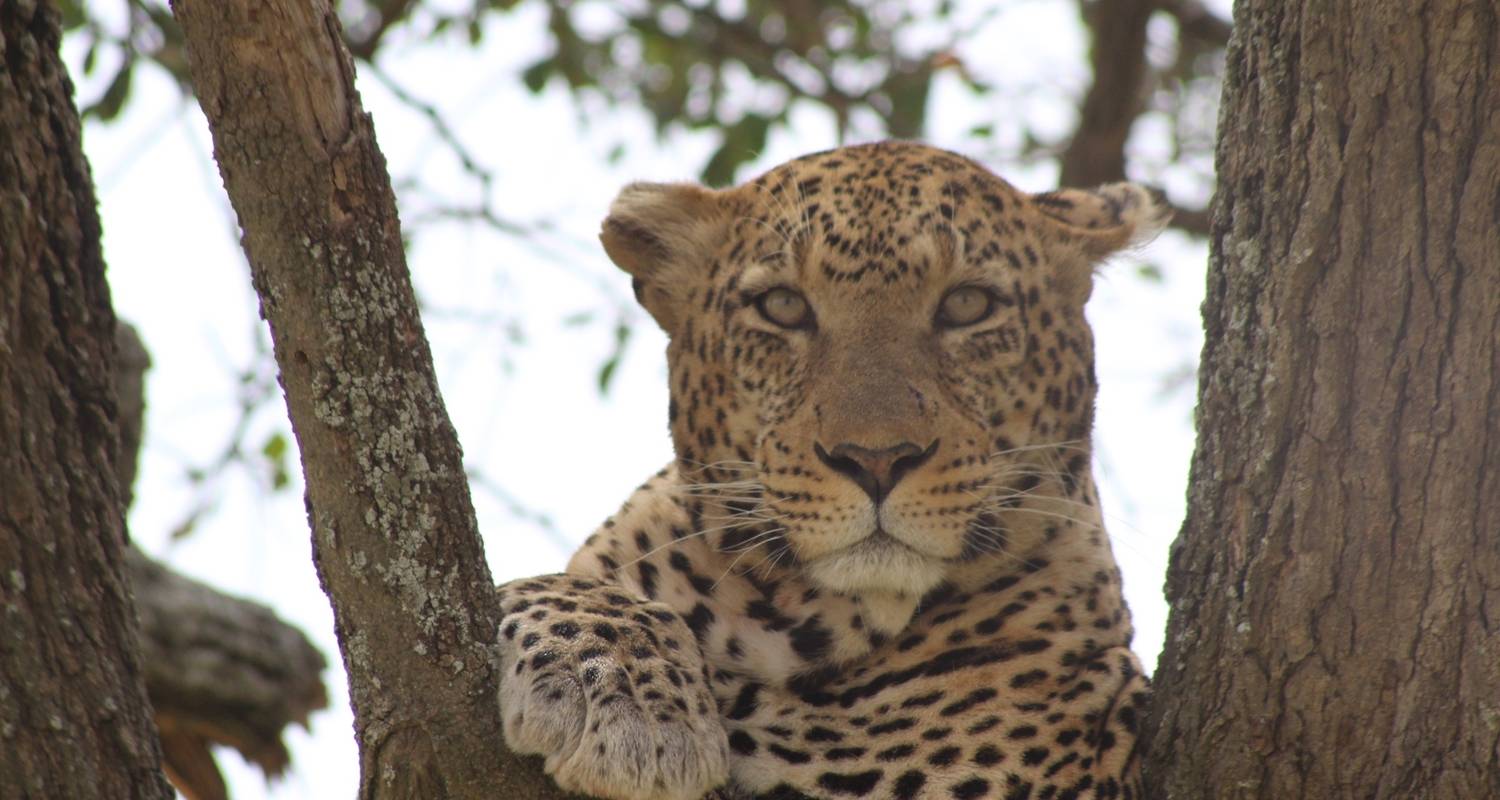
(1033, 756)
(699, 620)
(810, 639)
(818, 733)
(908, 785)
(971, 789)
(857, 784)
(745, 702)
(788, 755)
(944, 756)
(988, 756)
(844, 753)
(1028, 678)
(742, 743)
(904, 723)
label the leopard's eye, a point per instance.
(965, 305)
(784, 307)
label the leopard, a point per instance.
(876, 566)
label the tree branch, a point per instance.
(1096, 153)
(1191, 220)
(219, 670)
(395, 540)
(1118, 58)
(1196, 21)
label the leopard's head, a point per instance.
(877, 353)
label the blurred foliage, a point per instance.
(686, 63)
(257, 417)
(741, 72)
(737, 68)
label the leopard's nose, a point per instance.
(876, 471)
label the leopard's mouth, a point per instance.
(878, 562)
(881, 541)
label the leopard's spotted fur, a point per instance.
(877, 567)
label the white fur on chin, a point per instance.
(876, 566)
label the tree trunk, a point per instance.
(1335, 627)
(74, 721)
(394, 536)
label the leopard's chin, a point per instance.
(879, 563)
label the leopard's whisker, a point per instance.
(701, 533)
(1072, 445)
(742, 553)
(774, 559)
(755, 541)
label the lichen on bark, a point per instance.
(395, 540)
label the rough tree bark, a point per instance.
(74, 721)
(394, 536)
(1335, 627)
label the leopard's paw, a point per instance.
(610, 689)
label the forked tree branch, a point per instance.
(1117, 96)
(394, 535)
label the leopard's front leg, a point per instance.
(610, 689)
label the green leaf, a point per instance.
(607, 373)
(274, 447)
(90, 56)
(535, 76)
(275, 450)
(108, 106)
(183, 529)
(1150, 273)
(612, 363)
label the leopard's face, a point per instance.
(874, 353)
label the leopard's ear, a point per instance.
(1089, 225)
(664, 235)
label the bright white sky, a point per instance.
(528, 412)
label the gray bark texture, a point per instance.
(1335, 592)
(74, 720)
(394, 536)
